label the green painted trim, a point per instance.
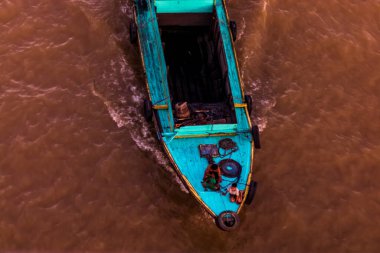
(184, 6)
(208, 128)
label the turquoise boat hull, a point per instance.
(181, 143)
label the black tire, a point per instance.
(233, 28)
(230, 168)
(132, 32)
(148, 110)
(251, 193)
(256, 137)
(248, 101)
(228, 220)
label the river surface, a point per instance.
(81, 171)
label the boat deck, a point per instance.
(192, 166)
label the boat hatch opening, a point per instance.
(197, 69)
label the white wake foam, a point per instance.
(124, 104)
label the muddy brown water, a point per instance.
(80, 170)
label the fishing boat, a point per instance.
(196, 100)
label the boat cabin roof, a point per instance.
(184, 6)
